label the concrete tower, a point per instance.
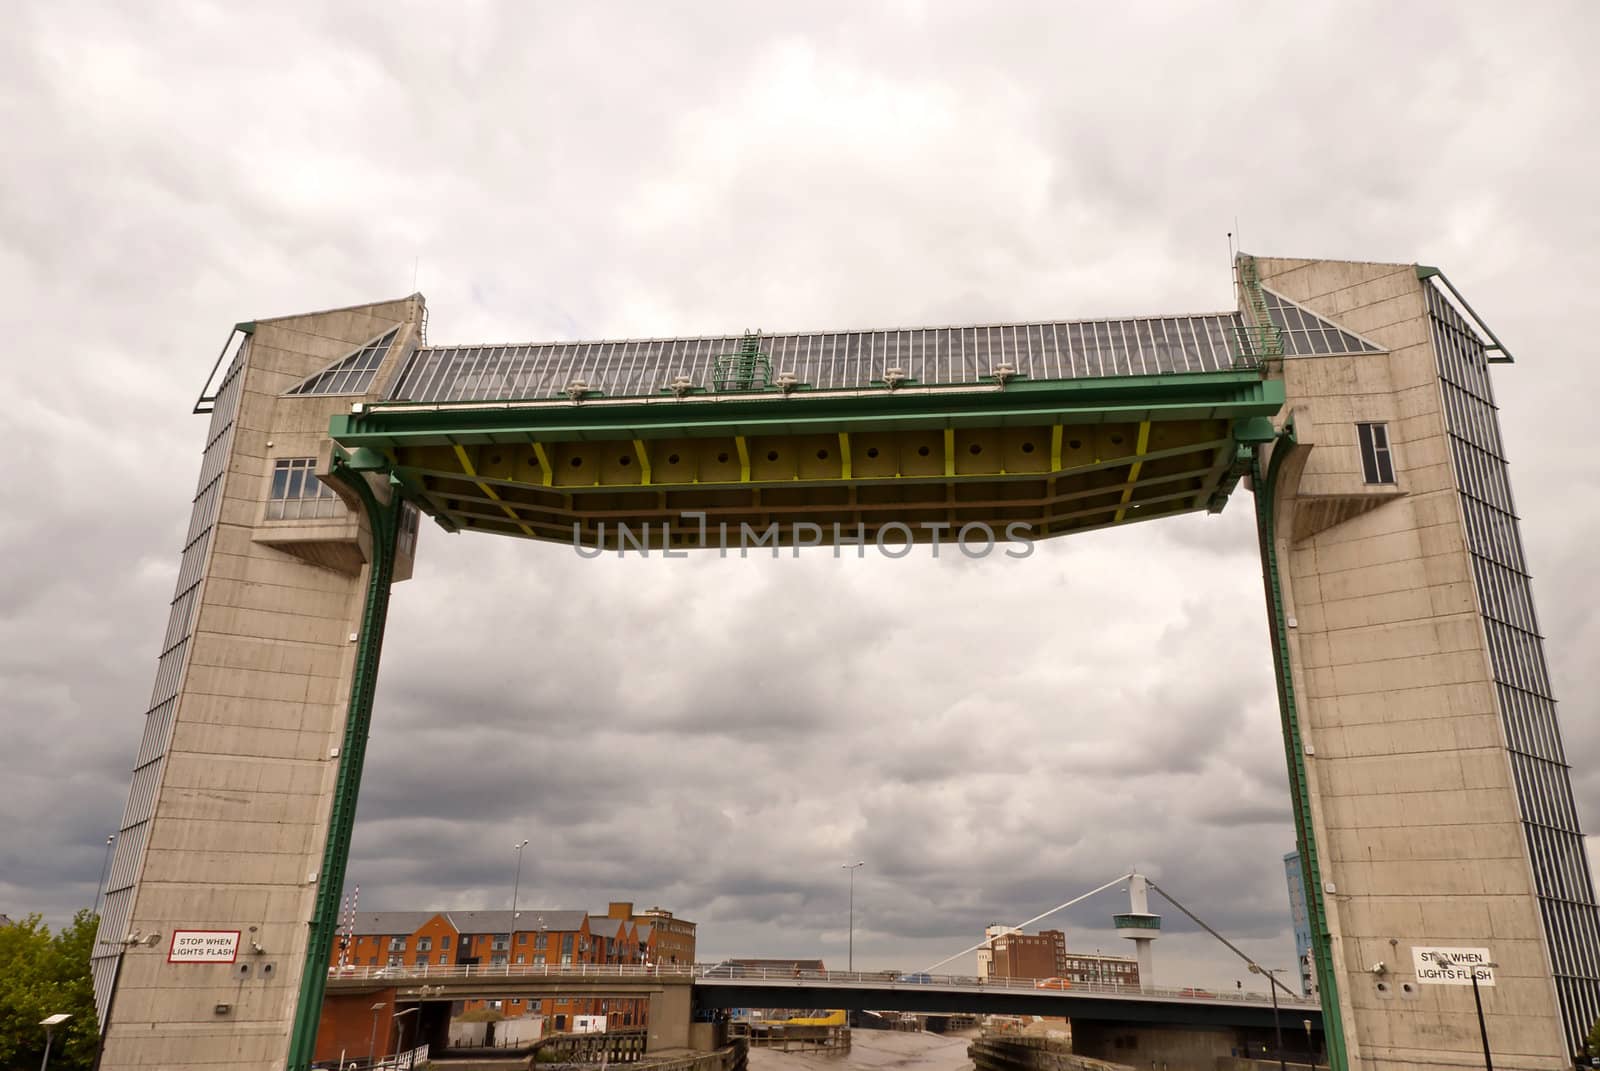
(1141, 927)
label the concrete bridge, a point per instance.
(677, 993)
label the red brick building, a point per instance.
(1023, 955)
(537, 937)
(1045, 955)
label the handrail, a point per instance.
(712, 972)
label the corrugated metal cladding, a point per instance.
(1522, 679)
(125, 859)
(833, 360)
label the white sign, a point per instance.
(1452, 966)
(204, 946)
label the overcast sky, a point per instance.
(718, 737)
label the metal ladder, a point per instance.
(1259, 339)
(737, 370)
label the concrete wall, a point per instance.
(1412, 800)
(1164, 1048)
(241, 803)
(350, 1026)
(1033, 1054)
(671, 1009)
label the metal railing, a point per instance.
(575, 971)
(711, 972)
(897, 980)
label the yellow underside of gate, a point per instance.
(1053, 479)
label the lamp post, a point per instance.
(50, 1022)
(852, 868)
(1272, 987)
(105, 868)
(400, 1029)
(516, 883)
(372, 1041)
(1477, 1000)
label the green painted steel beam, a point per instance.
(1428, 271)
(1198, 396)
(1294, 751)
(384, 518)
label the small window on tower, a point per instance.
(297, 494)
(1377, 466)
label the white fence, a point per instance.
(717, 972)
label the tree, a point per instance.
(41, 975)
(1594, 1039)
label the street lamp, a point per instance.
(372, 1040)
(516, 884)
(105, 868)
(1272, 987)
(50, 1022)
(1446, 960)
(400, 1029)
(852, 868)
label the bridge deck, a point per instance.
(724, 987)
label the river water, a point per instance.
(875, 1050)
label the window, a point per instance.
(566, 948)
(297, 493)
(443, 959)
(1377, 466)
(522, 938)
(424, 944)
(502, 941)
(351, 374)
(520, 957)
(541, 940)
(538, 959)
(396, 960)
(397, 944)
(444, 942)
(497, 960)
(410, 520)
(422, 959)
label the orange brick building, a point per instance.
(537, 937)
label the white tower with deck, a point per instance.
(1141, 927)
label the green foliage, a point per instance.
(41, 975)
(1594, 1039)
(480, 1015)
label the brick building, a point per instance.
(670, 940)
(1092, 968)
(536, 937)
(1023, 955)
(1010, 953)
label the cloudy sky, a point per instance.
(718, 737)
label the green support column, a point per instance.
(1294, 752)
(384, 520)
